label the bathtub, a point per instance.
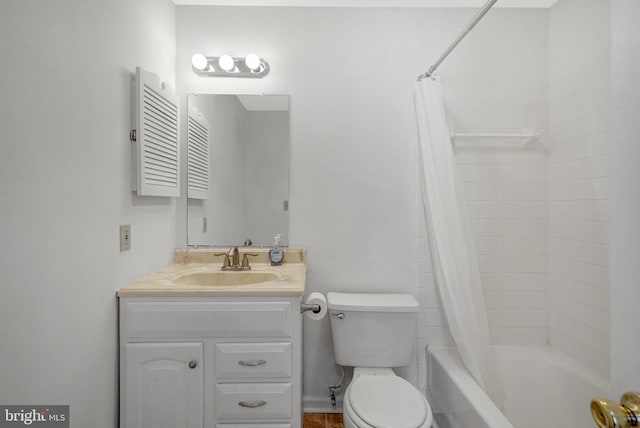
(543, 388)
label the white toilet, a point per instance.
(373, 333)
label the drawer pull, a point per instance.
(252, 363)
(252, 404)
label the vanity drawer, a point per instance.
(197, 319)
(253, 360)
(253, 401)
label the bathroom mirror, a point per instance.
(246, 193)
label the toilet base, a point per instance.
(353, 421)
(348, 423)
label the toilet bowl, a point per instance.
(377, 398)
(373, 333)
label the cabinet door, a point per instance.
(163, 385)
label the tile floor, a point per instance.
(322, 420)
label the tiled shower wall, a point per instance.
(506, 189)
(501, 89)
(540, 216)
(579, 177)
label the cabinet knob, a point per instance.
(193, 364)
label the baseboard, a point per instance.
(320, 404)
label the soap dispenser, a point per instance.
(276, 255)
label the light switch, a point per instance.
(125, 237)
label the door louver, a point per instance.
(156, 157)
(198, 156)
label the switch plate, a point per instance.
(125, 237)
(204, 225)
(285, 205)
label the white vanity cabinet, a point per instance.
(210, 362)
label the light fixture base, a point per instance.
(240, 69)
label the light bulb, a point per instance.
(226, 62)
(253, 61)
(199, 61)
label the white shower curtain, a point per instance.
(453, 255)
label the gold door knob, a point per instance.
(631, 400)
(609, 414)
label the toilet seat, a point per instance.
(386, 402)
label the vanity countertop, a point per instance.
(285, 280)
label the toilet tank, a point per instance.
(373, 330)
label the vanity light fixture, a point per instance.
(199, 62)
(227, 66)
(252, 61)
(227, 63)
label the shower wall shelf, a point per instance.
(498, 140)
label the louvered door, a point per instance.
(198, 156)
(156, 163)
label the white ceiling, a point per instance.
(370, 3)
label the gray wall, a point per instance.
(65, 185)
(350, 74)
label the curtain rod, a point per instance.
(461, 36)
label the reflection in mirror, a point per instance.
(248, 165)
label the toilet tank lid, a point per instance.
(372, 302)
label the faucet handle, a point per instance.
(226, 263)
(245, 260)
